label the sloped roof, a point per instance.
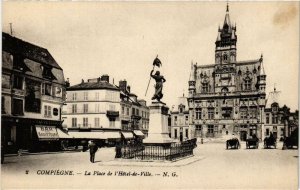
(36, 53)
(92, 86)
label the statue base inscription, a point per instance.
(158, 125)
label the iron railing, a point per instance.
(158, 152)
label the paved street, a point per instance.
(212, 167)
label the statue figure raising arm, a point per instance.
(158, 86)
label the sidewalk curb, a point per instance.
(149, 163)
(41, 153)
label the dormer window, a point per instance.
(47, 73)
(18, 63)
(180, 110)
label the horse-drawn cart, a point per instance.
(252, 142)
(291, 141)
(233, 143)
(269, 142)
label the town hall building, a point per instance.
(227, 97)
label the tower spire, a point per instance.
(227, 7)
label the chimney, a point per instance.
(123, 85)
(67, 83)
(142, 102)
(82, 81)
(128, 89)
(105, 78)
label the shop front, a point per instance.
(32, 135)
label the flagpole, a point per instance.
(149, 82)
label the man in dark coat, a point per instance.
(93, 149)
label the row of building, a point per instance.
(278, 120)
(228, 97)
(39, 108)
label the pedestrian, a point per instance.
(118, 150)
(93, 149)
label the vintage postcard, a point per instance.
(149, 95)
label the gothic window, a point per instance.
(247, 84)
(267, 118)
(211, 113)
(210, 129)
(274, 119)
(204, 87)
(227, 113)
(225, 57)
(253, 112)
(198, 113)
(243, 111)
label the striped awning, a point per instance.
(62, 134)
(138, 133)
(127, 135)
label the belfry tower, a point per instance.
(225, 51)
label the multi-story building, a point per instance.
(33, 92)
(180, 120)
(279, 121)
(134, 113)
(228, 96)
(145, 113)
(274, 121)
(92, 110)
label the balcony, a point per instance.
(112, 114)
(86, 126)
(136, 117)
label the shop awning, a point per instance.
(127, 135)
(95, 135)
(46, 132)
(138, 133)
(62, 134)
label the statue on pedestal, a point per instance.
(158, 86)
(159, 81)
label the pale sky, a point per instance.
(121, 39)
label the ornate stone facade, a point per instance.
(227, 97)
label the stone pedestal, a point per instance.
(158, 125)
